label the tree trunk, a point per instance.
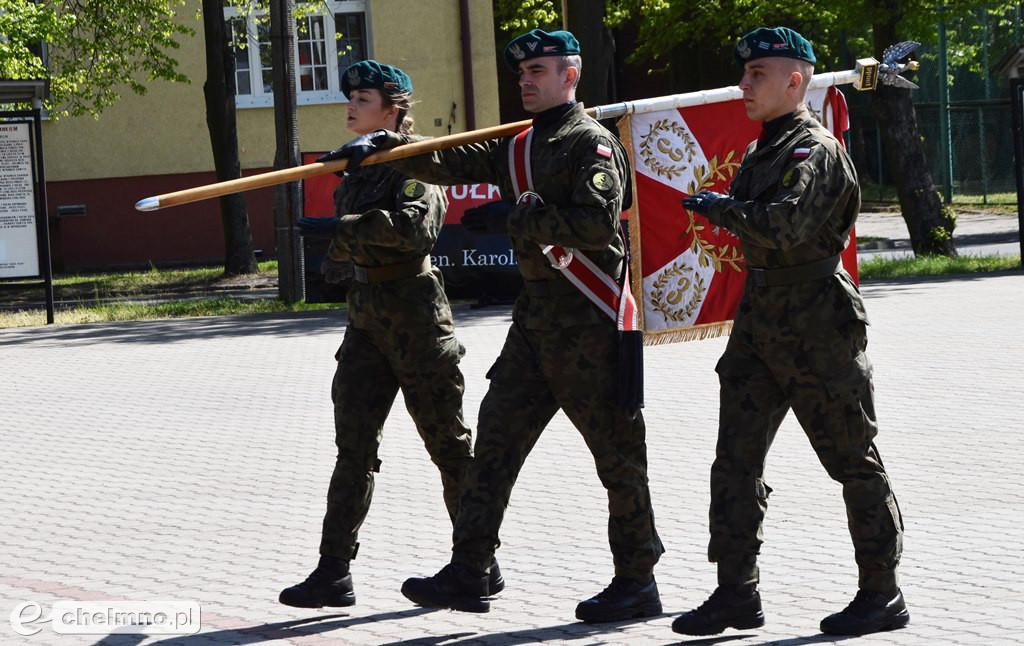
(219, 91)
(287, 197)
(929, 223)
(586, 22)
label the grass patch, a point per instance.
(885, 197)
(881, 267)
(986, 199)
(142, 311)
(146, 282)
(96, 298)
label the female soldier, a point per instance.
(400, 334)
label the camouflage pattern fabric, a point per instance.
(537, 373)
(584, 193)
(400, 337)
(560, 352)
(793, 202)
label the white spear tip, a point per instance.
(148, 204)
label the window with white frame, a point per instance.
(327, 41)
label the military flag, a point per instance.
(688, 273)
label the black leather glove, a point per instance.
(488, 219)
(362, 146)
(702, 202)
(317, 227)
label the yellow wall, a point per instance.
(164, 131)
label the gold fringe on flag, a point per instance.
(693, 333)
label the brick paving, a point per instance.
(189, 460)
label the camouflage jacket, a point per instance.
(581, 172)
(794, 200)
(387, 218)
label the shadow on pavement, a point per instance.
(959, 240)
(268, 632)
(972, 239)
(165, 331)
(711, 641)
(820, 638)
(326, 623)
(563, 633)
(184, 329)
(885, 287)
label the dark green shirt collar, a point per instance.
(772, 127)
(552, 115)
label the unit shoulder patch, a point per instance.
(791, 177)
(602, 181)
(413, 189)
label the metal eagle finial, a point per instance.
(890, 68)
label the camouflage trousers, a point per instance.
(372, 367)
(537, 373)
(825, 376)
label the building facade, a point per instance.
(159, 143)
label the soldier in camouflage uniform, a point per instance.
(798, 342)
(400, 334)
(560, 352)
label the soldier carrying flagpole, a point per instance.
(565, 181)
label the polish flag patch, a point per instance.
(801, 153)
(604, 151)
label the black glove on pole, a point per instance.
(361, 147)
(702, 202)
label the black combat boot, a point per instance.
(622, 599)
(495, 582)
(330, 585)
(729, 606)
(869, 612)
(456, 586)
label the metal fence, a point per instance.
(980, 130)
(981, 151)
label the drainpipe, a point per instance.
(467, 65)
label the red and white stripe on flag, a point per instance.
(692, 272)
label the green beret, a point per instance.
(774, 41)
(371, 75)
(538, 43)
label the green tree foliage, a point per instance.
(90, 50)
(663, 24)
(832, 26)
(514, 16)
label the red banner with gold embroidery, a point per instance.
(688, 273)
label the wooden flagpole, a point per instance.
(322, 168)
(451, 141)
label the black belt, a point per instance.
(793, 275)
(388, 273)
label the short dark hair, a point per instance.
(571, 60)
